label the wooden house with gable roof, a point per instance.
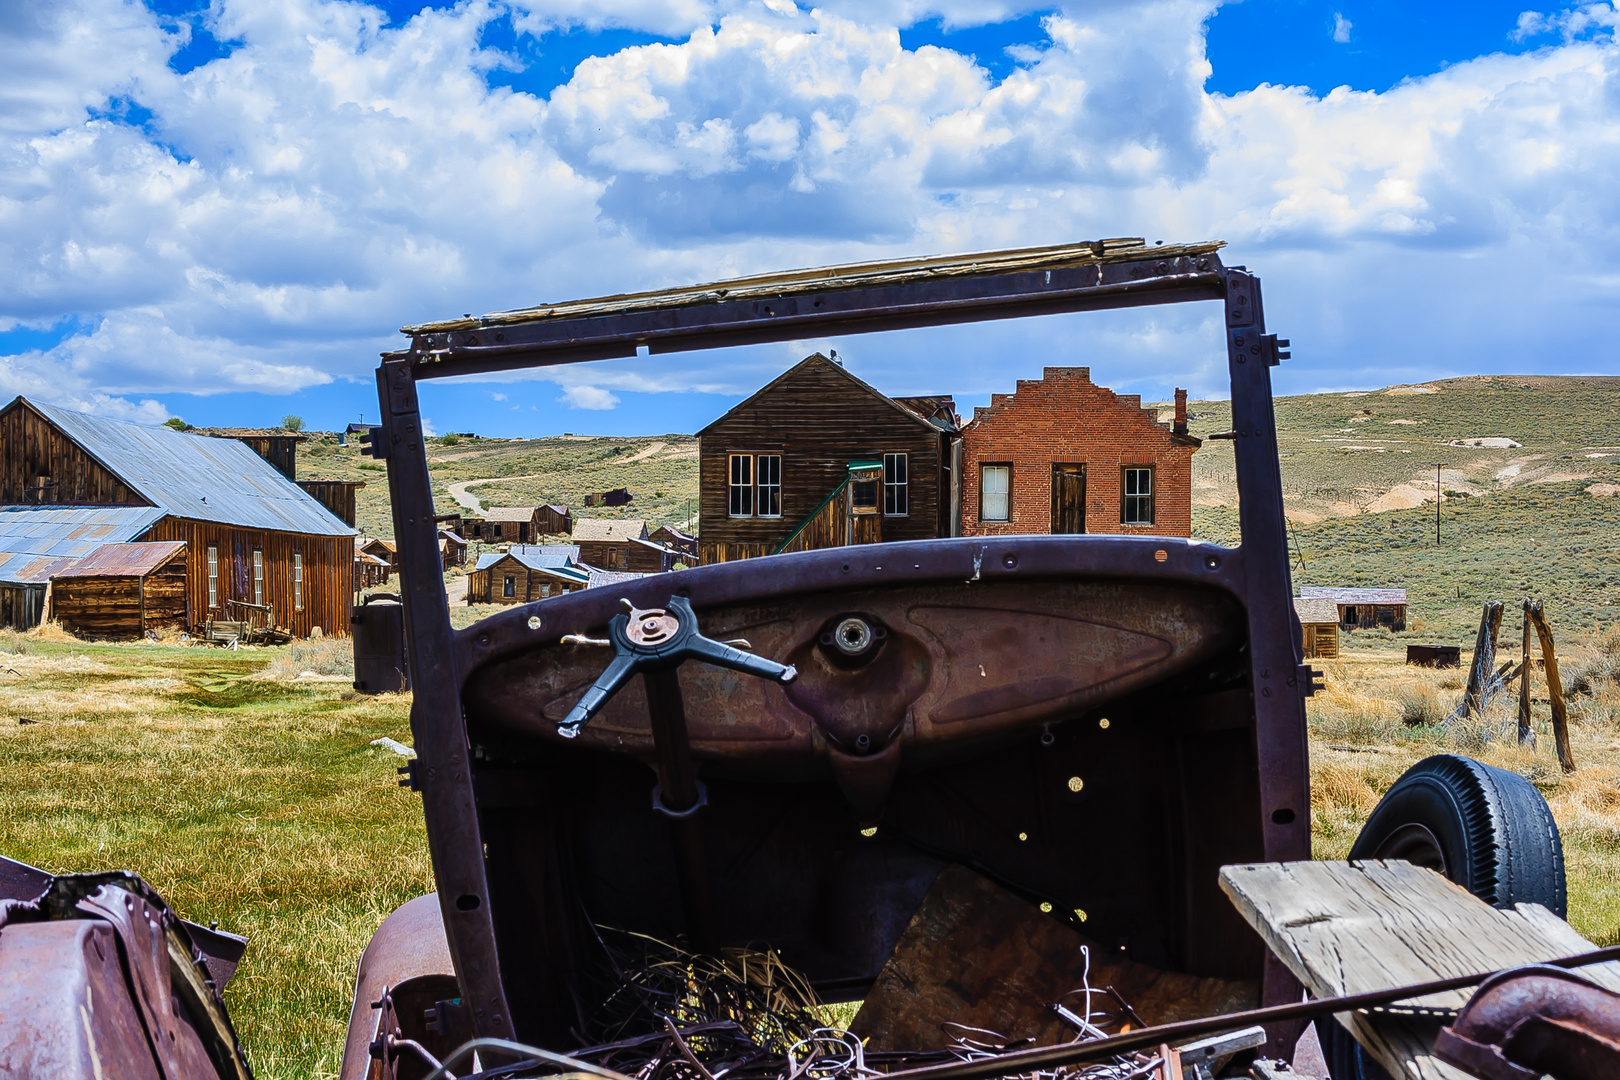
(258, 549)
(819, 458)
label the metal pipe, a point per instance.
(678, 797)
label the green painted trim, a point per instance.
(794, 535)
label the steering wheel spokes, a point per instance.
(655, 639)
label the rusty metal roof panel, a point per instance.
(124, 560)
(1353, 596)
(820, 279)
(197, 477)
(36, 542)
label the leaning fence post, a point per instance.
(1527, 734)
(1480, 671)
(1555, 688)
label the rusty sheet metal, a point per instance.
(37, 542)
(194, 476)
(1531, 1021)
(124, 560)
(410, 945)
(977, 956)
(887, 272)
(953, 662)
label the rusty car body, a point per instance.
(1094, 723)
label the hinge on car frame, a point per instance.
(408, 771)
(1275, 349)
(373, 444)
(1310, 680)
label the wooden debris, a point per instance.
(1555, 687)
(1479, 678)
(1345, 928)
(1527, 734)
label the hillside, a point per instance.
(1518, 513)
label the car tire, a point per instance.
(1484, 828)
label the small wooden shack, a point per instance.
(553, 520)
(620, 544)
(616, 497)
(523, 575)
(452, 549)
(1363, 609)
(677, 541)
(1319, 626)
(122, 590)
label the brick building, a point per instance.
(1064, 455)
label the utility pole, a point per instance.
(1437, 467)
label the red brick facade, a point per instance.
(1066, 419)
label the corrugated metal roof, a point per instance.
(194, 476)
(612, 577)
(36, 542)
(609, 529)
(1316, 610)
(124, 560)
(569, 550)
(1353, 596)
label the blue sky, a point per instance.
(222, 211)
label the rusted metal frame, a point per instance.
(443, 769)
(1278, 681)
(708, 325)
(678, 799)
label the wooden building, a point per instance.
(276, 445)
(251, 535)
(553, 520)
(37, 542)
(785, 455)
(336, 495)
(1363, 609)
(1318, 627)
(520, 524)
(522, 576)
(685, 547)
(122, 591)
(1064, 455)
(620, 544)
(452, 549)
(614, 498)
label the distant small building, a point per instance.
(685, 546)
(616, 497)
(522, 576)
(122, 591)
(553, 520)
(452, 549)
(520, 524)
(381, 549)
(1363, 609)
(620, 544)
(1318, 627)
(370, 571)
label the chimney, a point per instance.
(1180, 427)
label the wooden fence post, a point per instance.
(1527, 734)
(1555, 688)
(1484, 665)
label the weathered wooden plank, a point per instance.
(1348, 928)
(1555, 686)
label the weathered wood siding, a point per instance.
(1321, 641)
(621, 555)
(21, 605)
(328, 573)
(548, 522)
(819, 420)
(336, 495)
(31, 447)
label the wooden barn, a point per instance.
(122, 591)
(252, 537)
(1363, 609)
(817, 442)
(1318, 627)
(620, 544)
(523, 575)
(37, 542)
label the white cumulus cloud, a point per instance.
(589, 397)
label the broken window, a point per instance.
(509, 586)
(995, 481)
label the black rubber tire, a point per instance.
(1487, 829)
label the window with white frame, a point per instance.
(995, 482)
(768, 472)
(298, 581)
(213, 576)
(258, 576)
(742, 485)
(894, 485)
(1137, 489)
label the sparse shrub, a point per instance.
(13, 643)
(323, 656)
(1452, 682)
(1421, 707)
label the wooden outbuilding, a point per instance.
(122, 591)
(252, 536)
(616, 497)
(452, 549)
(522, 576)
(553, 520)
(37, 542)
(1319, 627)
(784, 456)
(1363, 609)
(277, 446)
(336, 495)
(620, 544)
(686, 547)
